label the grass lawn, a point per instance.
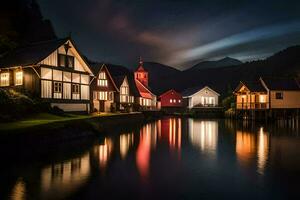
(46, 118)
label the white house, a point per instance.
(200, 97)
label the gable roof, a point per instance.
(252, 86)
(119, 80)
(34, 53)
(97, 68)
(167, 92)
(117, 70)
(31, 54)
(281, 83)
(192, 91)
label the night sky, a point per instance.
(178, 33)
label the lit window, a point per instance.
(174, 100)
(102, 81)
(4, 79)
(171, 101)
(179, 101)
(19, 78)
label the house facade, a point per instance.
(124, 98)
(103, 89)
(171, 98)
(268, 93)
(53, 70)
(147, 100)
(200, 97)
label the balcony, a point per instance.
(252, 106)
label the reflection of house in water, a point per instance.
(171, 131)
(148, 139)
(19, 190)
(204, 135)
(64, 178)
(126, 141)
(103, 152)
(252, 147)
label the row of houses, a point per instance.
(59, 74)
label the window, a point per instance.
(57, 87)
(102, 81)
(102, 75)
(65, 61)
(179, 101)
(4, 79)
(124, 90)
(171, 100)
(75, 88)
(19, 78)
(279, 95)
(174, 100)
(102, 95)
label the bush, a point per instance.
(15, 105)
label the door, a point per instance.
(101, 106)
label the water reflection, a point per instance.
(148, 154)
(172, 132)
(65, 177)
(250, 146)
(19, 190)
(126, 141)
(103, 151)
(143, 151)
(204, 135)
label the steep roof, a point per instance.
(281, 83)
(254, 86)
(143, 90)
(31, 54)
(141, 68)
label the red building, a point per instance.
(171, 98)
(147, 99)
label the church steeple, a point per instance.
(141, 74)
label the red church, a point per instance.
(147, 99)
(171, 98)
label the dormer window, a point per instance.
(65, 61)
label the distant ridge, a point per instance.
(227, 61)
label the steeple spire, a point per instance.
(141, 60)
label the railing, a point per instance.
(250, 106)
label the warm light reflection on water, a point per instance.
(19, 190)
(204, 135)
(143, 151)
(126, 141)
(104, 151)
(160, 153)
(64, 177)
(251, 145)
(263, 150)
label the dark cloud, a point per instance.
(176, 32)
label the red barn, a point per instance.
(171, 98)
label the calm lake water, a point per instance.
(171, 158)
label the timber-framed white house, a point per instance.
(53, 70)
